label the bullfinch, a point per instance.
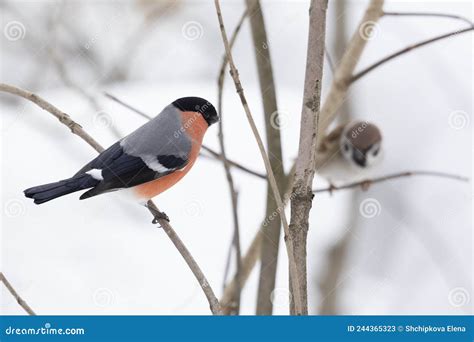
(146, 162)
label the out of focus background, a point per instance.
(401, 247)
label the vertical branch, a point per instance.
(271, 238)
(240, 91)
(344, 71)
(302, 195)
(234, 304)
(15, 295)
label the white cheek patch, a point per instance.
(152, 163)
(96, 174)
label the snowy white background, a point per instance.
(102, 256)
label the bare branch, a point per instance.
(60, 115)
(245, 169)
(271, 238)
(365, 184)
(340, 83)
(427, 14)
(405, 50)
(126, 105)
(271, 177)
(201, 278)
(77, 129)
(235, 303)
(15, 295)
(302, 197)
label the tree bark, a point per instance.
(302, 195)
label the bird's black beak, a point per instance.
(359, 158)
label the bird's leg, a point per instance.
(158, 215)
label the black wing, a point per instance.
(120, 170)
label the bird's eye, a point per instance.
(375, 152)
(346, 147)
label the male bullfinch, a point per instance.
(148, 161)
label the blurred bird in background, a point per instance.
(147, 162)
(350, 152)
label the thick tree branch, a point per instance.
(270, 175)
(271, 238)
(301, 198)
(78, 130)
(15, 295)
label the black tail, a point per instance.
(47, 192)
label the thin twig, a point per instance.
(215, 154)
(60, 115)
(126, 105)
(180, 246)
(365, 184)
(15, 295)
(235, 304)
(405, 50)
(427, 14)
(271, 177)
(245, 169)
(77, 129)
(329, 59)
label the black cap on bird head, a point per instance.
(200, 105)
